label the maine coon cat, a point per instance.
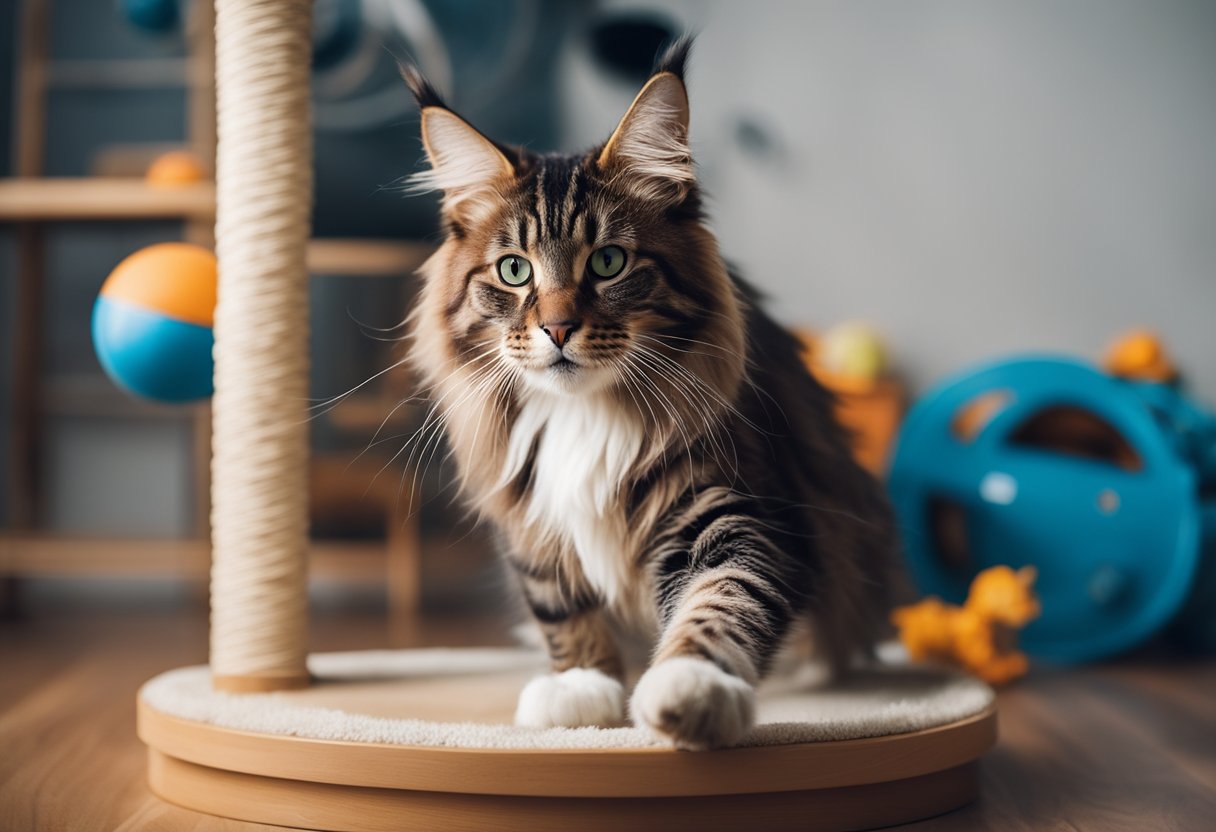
(643, 436)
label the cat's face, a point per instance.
(570, 278)
(578, 272)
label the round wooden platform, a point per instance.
(430, 747)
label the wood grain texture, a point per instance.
(70, 759)
(355, 809)
(586, 773)
(335, 257)
(1125, 745)
(32, 200)
(29, 342)
(33, 48)
(50, 555)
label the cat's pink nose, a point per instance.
(559, 332)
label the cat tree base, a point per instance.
(421, 739)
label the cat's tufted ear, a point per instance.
(470, 169)
(648, 153)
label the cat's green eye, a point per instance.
(608, 261)
(514, 270)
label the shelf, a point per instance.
(119, 73)
(105, 198)
(65, 556)
(366, 258)
(92, 198)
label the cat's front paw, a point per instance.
(694, 704)
(576, 697)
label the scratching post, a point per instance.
(423, 739)
(259, 518)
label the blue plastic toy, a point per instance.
(1104, 484)
(154, 16)
(152, 323)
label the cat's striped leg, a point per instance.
(727, 596)
(585, 685)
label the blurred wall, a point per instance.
(975, 177)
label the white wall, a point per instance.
(973, 177)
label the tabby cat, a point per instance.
(646, 440)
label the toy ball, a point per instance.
(1139, 355)
(852, 349)
(152, 322)
(154, 16)
(178, 167)
(1103, 484)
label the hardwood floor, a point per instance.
(1129, 745)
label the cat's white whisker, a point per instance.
(676, 422)
(434, 417)
(711, 417)
(475, 385)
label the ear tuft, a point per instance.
(469, 168)
(425, 94)
(674, 58)
(648, 153)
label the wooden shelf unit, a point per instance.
(28, 201)
(98, 199)
(66, 556)
(119, 73)
(338, 257)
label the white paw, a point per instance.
(694, 704)
(575, 697)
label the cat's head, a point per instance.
(576, 273)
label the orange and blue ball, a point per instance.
(152, 323)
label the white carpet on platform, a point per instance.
(871, 703)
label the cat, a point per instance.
(645, 438)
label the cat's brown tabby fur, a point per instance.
(645, 438)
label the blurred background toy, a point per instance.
(154, 17)
(177, 167)
(981, 635)
(152, 322)
(852, 350)
(1139, 355)
(1103, 482)
(850, 359)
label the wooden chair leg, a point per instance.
(26, 428)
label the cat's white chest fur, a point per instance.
(585, 448)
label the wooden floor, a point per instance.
(1126, 746)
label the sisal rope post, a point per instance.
(259, 516)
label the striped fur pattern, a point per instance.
(659, 464)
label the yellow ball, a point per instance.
(854, 350)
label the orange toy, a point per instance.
(850, 360)
(979, 636)
(177, 167)
(1139, 355)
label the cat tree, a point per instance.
(422, 739)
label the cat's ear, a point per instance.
(470, 169)
(648, 152)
